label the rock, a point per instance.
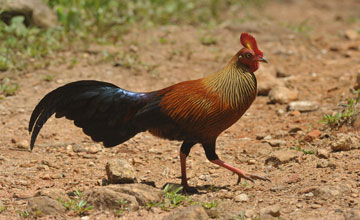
(34, 11)
(120, 171)
(295, 113)
(78, 149)
(53, 193)
(188, 213)
(134, 195)
(45, 206)
(276, 142)
(280, 73)
(351, 34)
(322, 163)
(312, 135)
(106, 198)
(282, 95)
(322, 153)
(241, 198)
(353, 214)
(266, 80)
(303, 106)
(345, 142)
(282, 156)
(274, 211)
(293, 179)
(24, 144)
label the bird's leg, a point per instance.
(184, 152)
(183, 170)
(213, 157)
(240, 173)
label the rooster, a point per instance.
(195, 111)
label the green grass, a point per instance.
(173, 199)
(7, 87)
(345, 117)
(301, 27)
(2, 208)
(103, 22)
(78, 205)
(23, 214)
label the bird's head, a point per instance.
(250, 55)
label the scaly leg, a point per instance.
(213, 157)
(184, 152)
(240, 173)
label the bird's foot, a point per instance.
(251, 177)
(188, 189)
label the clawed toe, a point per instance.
(251, 177)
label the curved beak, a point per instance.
(262, 59)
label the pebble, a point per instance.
(241, 198)
(91, 164)
(24, 144)
(282, 95)
(322, 163)
(281, 73)
(303, 106)
(276, 142)
(271, 210)
(312, 135)
(251, 162)
(351, 34)
(295, 113)
(315, 206)
(345, 142)
(322, 153)
(46, 177)
(280, 112)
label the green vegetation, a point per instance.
(122, 207)
(345, 117)
(78, 205)
(173, 198)
(8, 88)
(299, 148)
(23, 214)
(103, 21)
(302, 27)
(2, 208)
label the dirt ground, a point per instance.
(321, 65)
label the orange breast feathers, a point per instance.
(192, 105)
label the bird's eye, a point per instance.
(248, 55)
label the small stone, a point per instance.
(322, 153)
(345, 142)
(46, 177)
(45, 206)
(85, 218)
(310, 194)
(266, 80)
(24, 144)
(312, 135)
(276, 142)
(241, 198)
(120, 171)
(351, 34)
(78, 148)
(251, 162)
(293, 179)
(271, 210)
(322, 163)
(282, 95)
(282, 157)
(280, 112)
(303, 106)
(295, 113)
(91, 164)
(315, 206)
(249, 213)
(281, 73)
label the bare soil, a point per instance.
(322, 65)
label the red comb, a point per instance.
(248, 41)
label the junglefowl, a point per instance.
(194, 111)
